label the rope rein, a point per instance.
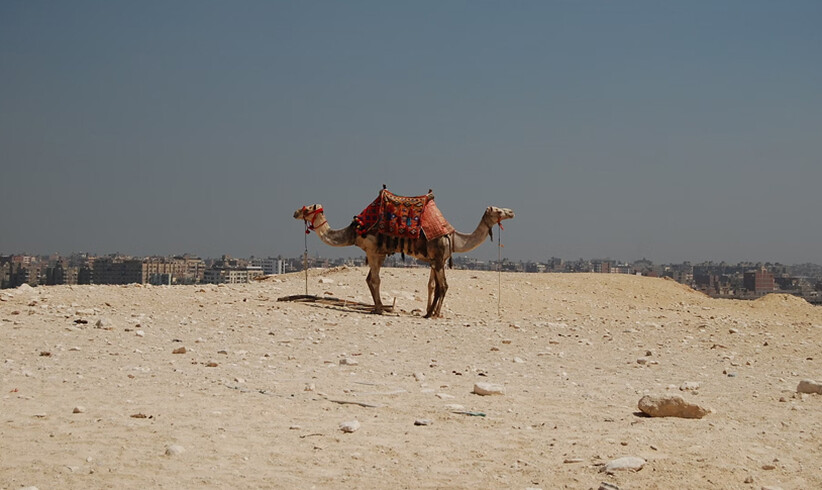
(499, 270)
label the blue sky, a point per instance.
(668, 130)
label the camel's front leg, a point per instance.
(439, 289)
(442, 287)
(373, 281)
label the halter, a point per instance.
(313, 216)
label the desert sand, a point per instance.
(94, 395)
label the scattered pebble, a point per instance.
(348, 361)
(488, 389)
(179, 350)
(423, 422)
(689, 386)
(629, 463)
(175, 450)
(79, 409)
(809, 386)
(351, 426)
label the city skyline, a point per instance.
(675, 132)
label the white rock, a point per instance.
(444, 396)
(79, 409)
(349, 362)
(351, 426)
(174, 450)
(809, 386)
(140, 333)
(689, 386)
(629, 463)
(488, 389)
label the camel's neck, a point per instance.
(343, 237)
(465, 242)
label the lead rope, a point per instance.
(305, 257)
(499, 271)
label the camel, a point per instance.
(436, 252)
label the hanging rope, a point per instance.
(305, 257)
(499, 271)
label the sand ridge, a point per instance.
(258, 397)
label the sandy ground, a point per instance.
(254, 402)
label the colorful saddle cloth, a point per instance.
(403, 217)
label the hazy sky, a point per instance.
(668, 130)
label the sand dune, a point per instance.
(94, 395)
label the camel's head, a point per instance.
(498, 214)
(312, 215)
(305, 213)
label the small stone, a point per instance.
(309, 387)
(749, 479)
(607, 486)
(689, 386)
(140, 333)
(45, 353)
(642, 360)
(517, 360)
(349, 362)
(79, 409)
(572, 460)
(351, 426)
(809, 386)
(179, 350)
(212, 364)
(629, 463)
(485, 389)
(423, 422)
(419, 376)
(768, 467)
(444, 396)
(733, 330)
(102, 322)
(671, 406)
(174, 450)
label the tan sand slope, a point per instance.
(258, 397)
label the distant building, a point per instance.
(231, 275)
(269, 265)
(117, 270)
(759, 282)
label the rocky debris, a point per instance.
(689, 386)
(628, 463)
(423, 422)
(671, 406)
(351, 426)
(572, 460)
(809, 386)
(79, 409)
(486, 389)
(179, 350)
(348, 361)
(175, 450)
(607, 486)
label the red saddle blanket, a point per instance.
(403, 217)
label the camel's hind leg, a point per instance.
(373, 281)
(432, 284)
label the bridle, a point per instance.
(309, 217)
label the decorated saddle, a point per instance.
(403, 217)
